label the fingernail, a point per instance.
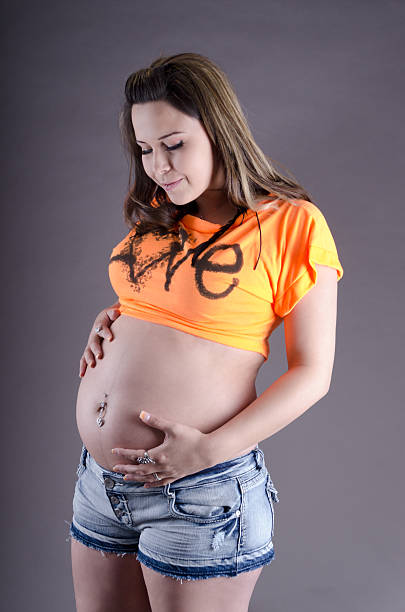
(144, 415)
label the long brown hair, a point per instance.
(194, 85)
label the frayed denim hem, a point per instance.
(105, 548)
(178, 572)
(181, 572)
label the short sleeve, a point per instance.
(305, 239)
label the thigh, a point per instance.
(168, 594)
(106, 581)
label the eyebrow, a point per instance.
(161, 138)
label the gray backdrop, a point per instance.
(322, 86)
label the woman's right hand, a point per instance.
(93, 348)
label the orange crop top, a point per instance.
(230, 291)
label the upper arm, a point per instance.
(310, 327)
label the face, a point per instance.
(186, 156)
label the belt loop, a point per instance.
(84, 451)
(259, 457)
(166, 490)
(82, 462)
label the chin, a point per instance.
(179, 200)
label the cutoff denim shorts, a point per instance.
(216, 522)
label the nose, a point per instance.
(161, 165)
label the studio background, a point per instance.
(322, 87)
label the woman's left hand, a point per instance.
(182, 452)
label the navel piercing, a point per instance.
(101, 408)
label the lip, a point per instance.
(169, 186)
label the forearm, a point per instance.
(284, 401)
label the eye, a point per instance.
(177, 146)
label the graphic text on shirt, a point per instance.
(139, 268)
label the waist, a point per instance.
(230, 333)
(245, 463)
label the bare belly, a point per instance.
(164, 371)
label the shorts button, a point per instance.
(109, 482)
(237, 513)
(114, 499)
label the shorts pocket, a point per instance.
(208, 503)
(82, 462)
(272, 497)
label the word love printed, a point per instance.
(140, 266)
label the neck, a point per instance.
(216, 215)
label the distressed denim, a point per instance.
(216, 522)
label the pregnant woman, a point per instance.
(221, 250)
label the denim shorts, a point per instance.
(216, 522)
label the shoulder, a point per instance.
(283, 211)
(293, 213)
(300, 208)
